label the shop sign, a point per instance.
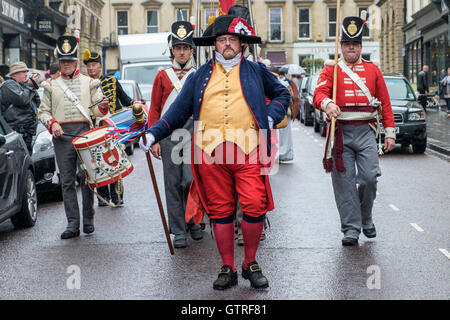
(13, 12)
(45, 24)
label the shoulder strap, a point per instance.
(177, 83)
(356, 79)
(72, 97)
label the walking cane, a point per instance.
(336, 52)
(138, 115)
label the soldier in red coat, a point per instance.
(177, 176)
(362, 102)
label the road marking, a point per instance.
(416, 226)
(315, 140)
(445, 252)
(394, 207)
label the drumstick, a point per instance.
(74, 136)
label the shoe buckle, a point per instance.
(255, 268)
(225, 271)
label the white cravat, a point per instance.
(228, 64)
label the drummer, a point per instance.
(66, 117)
(118, 99)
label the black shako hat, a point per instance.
(182, 32)
(228, 24)
(67, 48)
(352, 29)
(89, 56)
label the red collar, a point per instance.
(75, 74)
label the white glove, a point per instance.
(270, 122)
(150, 140)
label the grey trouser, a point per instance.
(285, 145)
(177, 178)
(68, 162)
(355, 190)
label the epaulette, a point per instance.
(329, 62)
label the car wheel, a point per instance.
(419, 148)
(323, 129)
(315, 124)
(28, 215)
(301, 113)
(129, 149)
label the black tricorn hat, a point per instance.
(182, 32)
(228, 24)
(352, 29)
(240, 11)
(89, 56)
(67, 48)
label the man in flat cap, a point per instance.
(362, 99)
(66, 109)
(20, 102)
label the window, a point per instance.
(152, 21)
(122, 22)
(182, 15)
(275, 24)
(366, 31)
(208, 13)
(331, 22)
(303, 23)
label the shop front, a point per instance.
(427, 42)
(28, 33)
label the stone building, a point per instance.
(392, 39)
(293, 31)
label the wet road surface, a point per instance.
(127, 256)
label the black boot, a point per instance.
(226, 279)
(254, 274)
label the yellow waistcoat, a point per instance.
(225, 115)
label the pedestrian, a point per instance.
(422, 86)
(356, 106)
(230, 91)
(285, 143)
(54, 71)
(63, 115)
(446, 90)
(177, 176)
(117, 100)
(20, 102)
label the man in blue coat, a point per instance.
(231, 144)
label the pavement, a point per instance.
(438, 130)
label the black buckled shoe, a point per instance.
(254, 274)
(226, 279)
(70, 234)
(370, 233)
(349, 241)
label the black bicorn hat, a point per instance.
(228, 24)
(182, 33)
(352, 29)
(67, 48)
(89, 56)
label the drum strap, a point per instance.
(74, 99)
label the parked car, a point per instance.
(307, 107)
(45, 164)
(409, 116)
(132, 89)
(146, 90)
(18, 198)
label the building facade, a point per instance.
(86, 17)
(293, 31)
(29, 30)
(427, 40)
(392, 41)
